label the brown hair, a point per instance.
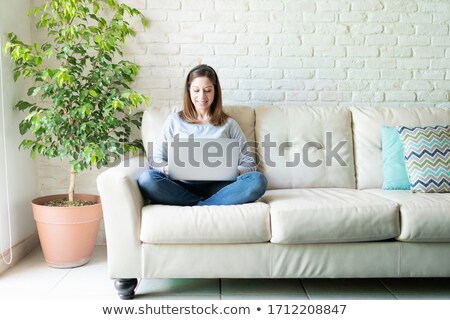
(189, 114)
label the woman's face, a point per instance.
(202, 94)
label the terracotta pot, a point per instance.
(67, 234)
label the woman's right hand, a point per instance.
(166, 170)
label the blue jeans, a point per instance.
(159, 189)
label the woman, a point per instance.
(202, 116)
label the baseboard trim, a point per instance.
(19, 251)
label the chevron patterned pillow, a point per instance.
(427, 157)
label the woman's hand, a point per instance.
(166, 170)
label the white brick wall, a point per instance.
(289, 51)
(299, 52)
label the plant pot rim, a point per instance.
(66, 215)
(78, 196)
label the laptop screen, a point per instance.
(203, 159)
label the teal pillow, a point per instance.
(394, 168)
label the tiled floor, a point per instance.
(33, 279)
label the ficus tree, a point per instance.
(81, 106)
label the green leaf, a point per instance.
(96, 7)
(22, 105)
(24, 126)
(134, 99)
(33, 153)
(46, 46)
(93, 93)
(117, 104)
(76, 167)
(144, 22)
(33, 91)
(16, 75)
(38, 61)
(60, 79)
(6, 47)
(26, 144)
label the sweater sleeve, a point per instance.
(247, 161)
(157, 153)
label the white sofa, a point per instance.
(323, 217)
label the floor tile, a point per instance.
(419, 288)
(353, 289)
(90, 281)
(178, 287)
(31, 278)
(262, 289)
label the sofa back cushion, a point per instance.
(152, 123)
(367, 124)
(154, 118)
(300, 147)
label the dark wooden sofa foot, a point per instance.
(125, 288)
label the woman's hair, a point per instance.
(189, 114)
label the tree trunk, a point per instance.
(72, 186)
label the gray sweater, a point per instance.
(174, 125)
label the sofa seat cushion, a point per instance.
(246, 223)
(329, 215)
(424, 217)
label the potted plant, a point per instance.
(80, 108)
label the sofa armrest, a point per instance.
(122, 203)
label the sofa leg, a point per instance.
(125, 288)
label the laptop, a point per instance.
(203, 159)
